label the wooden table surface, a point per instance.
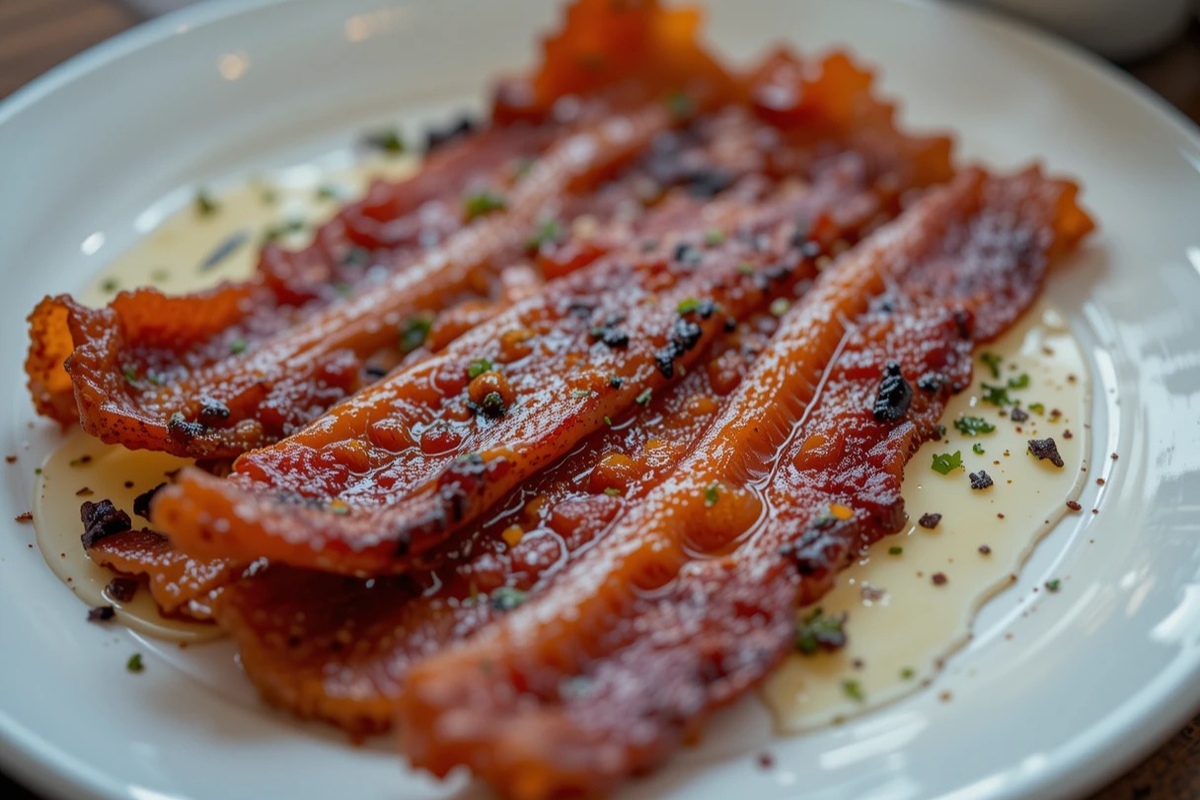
(37, 34)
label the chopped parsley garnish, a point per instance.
(607, 420)
(205, 205)
(779, 306)
(714, 237)
(943, 463)
(853, 690)
(895, 551)
(712, 494)
(483, 203)
(387, 140)
(977, 448)
(327, 192)
(680, 104)
(996, 395)
(343, 289)
(745, 268)
(477, 367)
(277, 232)
(611, 492)
(134, 664)
(1052, 585)
(506, 598)
(992, 362)
(237, 347)
(973, 426)
(644, 397)
(109, 285)
(414, 332)
(1037, 408)
(1019, 382)
(907, 674)
(550, 231)
(688, 306)
(130, 373)
(820, 631)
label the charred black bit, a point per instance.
(141, 503)
(820, 631)
(1046, 450)
(615, 381)
(895, 395)
(980, 480)
(684, 336)
(965, 322)
(687, 254)
(387, 140)
(493, 405)
(707, 182)
(101, 520)
(224, 250)
(183, 430)
(929, 521)
(373, 372)
(101, 614)
(435, 137)
(611, 336)
(810, 249)
(122, 589)
(730, 324)
(931, 382)
(1018, 415)
(212, 410)
(799, 236)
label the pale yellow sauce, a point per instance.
(897, 638)
(170, 258)
(900, 624)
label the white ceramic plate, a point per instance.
(1086, 685)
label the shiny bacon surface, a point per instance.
(555, 535)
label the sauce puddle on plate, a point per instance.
(908, 602)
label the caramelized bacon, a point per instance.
(372, 486)
(336, 648)
(179, 585)
(577, 695)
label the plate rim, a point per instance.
(32, 760)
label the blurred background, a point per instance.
(1157, 41)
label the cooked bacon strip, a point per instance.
(372, 486)
(335, 648)
(578, 694)
(179, 585)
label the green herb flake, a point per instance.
(853, 690)
(680, 104)
(343, 289)
(714, 237)
(1052, 585)
(109, 285)
(548, 232)
(712, 494)
(644, 397)
(134, 664)
(1019, 382)
(506, 598)
(745, 268)
(286, 228)
(977, 448)
(996, 395)
(483, 203)
(779, 306)
(611, 492)
(973, 426)
(414, 332)
(943, 463)
(895, 550)
(1037, 408)
(992, 362)
(478, 366)
(328, 192)
(820, 631)
(687, 306)
(269, 196)
(908, 673)
(131, 374)
(237, 347)
(206, 206)
(387, 140)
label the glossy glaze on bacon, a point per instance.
(336, 648)
(688, 603)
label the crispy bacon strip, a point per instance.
(335, 648)
(578, 696)
(382, 479)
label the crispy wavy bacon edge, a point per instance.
(250, 401)
(568, 696)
